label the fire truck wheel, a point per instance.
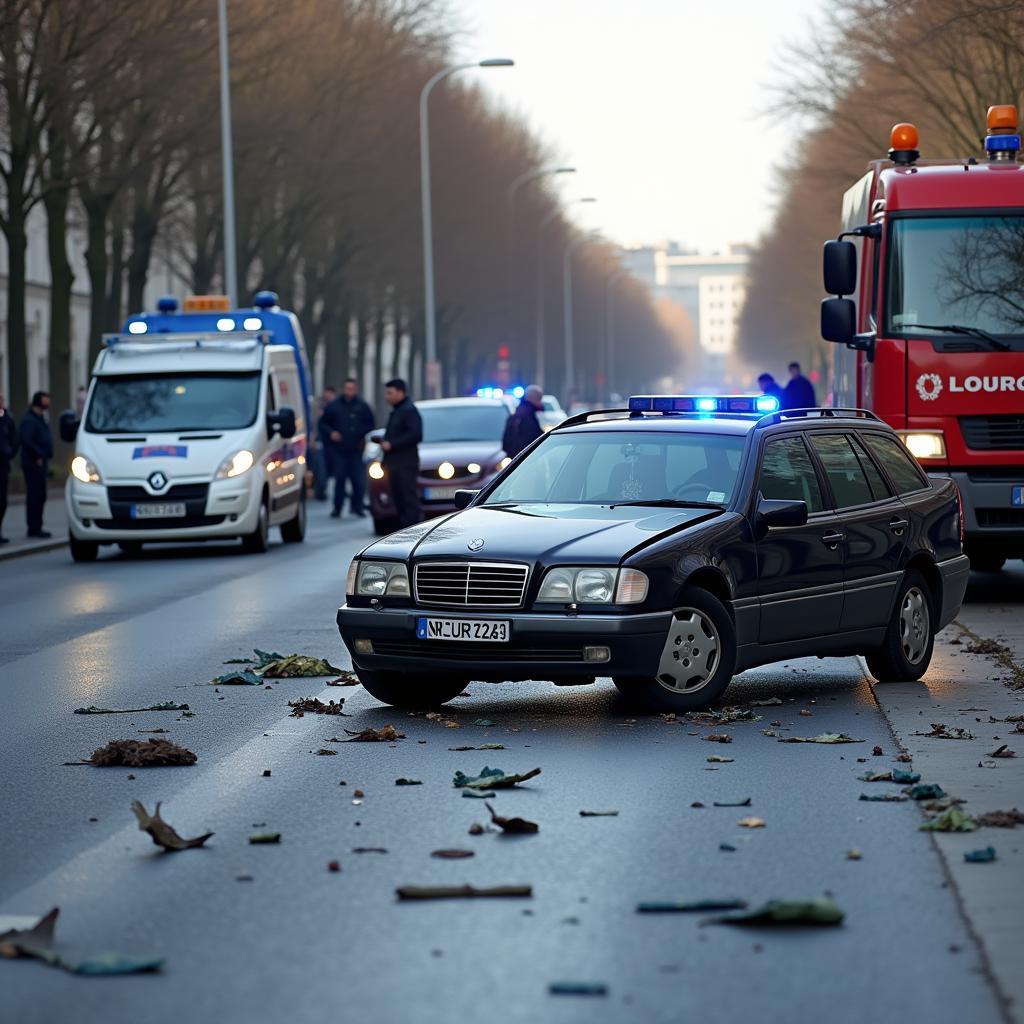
(907, 648)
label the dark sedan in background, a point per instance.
(461, 448)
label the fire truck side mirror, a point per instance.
(840, 268)
(838, 320)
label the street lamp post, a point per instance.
(609, 311)
(432, 371)
(541, 338)
(227, 160)
(570, 367)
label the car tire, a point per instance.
(697, 661)
(83, 550)
(294, 531)
(910, 635)
(412, 692)
(258, 541)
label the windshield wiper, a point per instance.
(670, 503)
(994, 343)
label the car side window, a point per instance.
(897, 461)
(787, 473)
(879, 488)
(843, 469)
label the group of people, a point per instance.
(798, 392)
(344, 423)
(33, 439)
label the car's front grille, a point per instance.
(1000, 516)
(993, 433)
(470, 584)
(179, 492)
(192, 496)
(187, 522)
(477, 652)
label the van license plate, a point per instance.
(473, 630)
(161, 510)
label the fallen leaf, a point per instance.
(660, 907)
(877, 751)
(925, 791)
(167, 705)
(945, 732)
(954, 820)
(38, 942)
(804, 713)
(1002, 819)
(578, 988)
(825, 737)
(264, 838)
(163, 834)
(241, 678)
(983, 856)
(476, 829)
(326, 752)
(718, 759)
(599, 814)
(345, 679)
(454, 892)
(890, 775)
(904, 758)
(724, 716)
(408, 782)
(383, 735)
(492, 778)
(296, 666)
(751, 822)
(1003, 751)
(313, 706)
(787, 912)
(740, 802)
(718, 737)
(513, 826)
(333, 865)
(448, 723)
(770, 702)
(141, 754)
(883, 798)
(369, 849)
(854, 854)
(460, 749)
(491, 746)
(727, 847)
(452, 854)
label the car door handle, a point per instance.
(898, 525)
(831, 539)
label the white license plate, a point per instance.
(159, 510)
(439, 493)
(473, 630)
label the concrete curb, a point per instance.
(6, 554)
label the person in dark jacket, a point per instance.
(318, 454)
(36, 452)
(343, 429)
(799, 392)
(769, 386)
(401, 451)
(523, 427)
(9, 443)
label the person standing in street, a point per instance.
(799, 392)
(769, 386)
(322, 471)
(344, 425)
(36, 452)
(9, 443)
(523, 427)
(401, 451)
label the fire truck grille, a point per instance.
(993, 433)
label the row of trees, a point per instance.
(866, 65)
(109, 118)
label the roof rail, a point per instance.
(821, 412)
(583, 417)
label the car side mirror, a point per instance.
(778, 512)
(463, 498)
(839, 268)
(69, 424)
(282, 422)
(838, 320)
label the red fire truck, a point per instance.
(928, 319)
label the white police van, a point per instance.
(189, 436)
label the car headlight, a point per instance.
(588, 585)
(377, 579)
(350, 581)
(504, 463)
(85, 470)
(924, 444)
(473, 468)
(237, 464)
(376, 471)
(446, 471)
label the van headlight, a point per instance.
(590, 585)
(379, 579)
(85, 470)
(237, 464)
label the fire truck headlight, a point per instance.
(925, 444)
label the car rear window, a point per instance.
(787, 473)
(897, 461)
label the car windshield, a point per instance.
(446, 423)
(173, 402)
(956, 271)
(604, 467)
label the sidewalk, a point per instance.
(969, 688)
(55, 519)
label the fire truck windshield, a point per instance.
(956, 274)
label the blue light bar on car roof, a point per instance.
(705, 404)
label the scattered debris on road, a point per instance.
(718, 759)
(167, 705)
(718, 737)
(751, 822)
(578, 988)
(485, 723)
(344, 679)
(408, 782)
(787, 912)
(140, 754)
(385, 734)
(455, 892)
(982, 856)
(1003, 751)
(825, 737)
(163, 834)
(741, 802)
(326, 752)
(452, 854)
(854, 854)
(492, 778)
(883, 798)
(599, 814)
(925, 791)
(953, 820)
(890, 775)
(702, 906)
(297, 666)
(513, 826)
(1002, 819)
(369, 849)
(242, 677)
(314, 706)
(264, 838)
(448, 723)
(947, 732)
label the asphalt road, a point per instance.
(300, 943)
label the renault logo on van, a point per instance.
(157, 481)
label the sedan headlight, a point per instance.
(924, 444)
(379, 579)
(237, 464)
(589, 585)
(85, 470)
(376, 471)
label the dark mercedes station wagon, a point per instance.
(668, 546)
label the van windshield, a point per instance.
(173, 402)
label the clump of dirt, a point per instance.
(314, 706)
(141, 754)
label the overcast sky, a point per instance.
(648, 99)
